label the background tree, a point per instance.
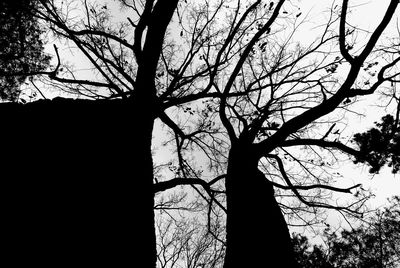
(187, 243)
(381, 144)
(22, 46)
(308, 255)
(375, 243)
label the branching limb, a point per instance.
(342, 33)
(391, 9)
(222, 111)
(295, 189)
(140, 27)
(381, 78)
(324, 144)
(329, 131)
(103, 34)
(316, 186)
(165, 185)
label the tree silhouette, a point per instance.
(133, 60)
(228, 84)
(273, 98)
(186, 243)
(22, 46)
(373, 244)
(381, 145)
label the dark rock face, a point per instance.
(71, 186)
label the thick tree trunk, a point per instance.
(142, 208)
(76, 178)
(257, 234)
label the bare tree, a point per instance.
(187, 243)
(280, 104)
(136, 60)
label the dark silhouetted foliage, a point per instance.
(308, 255)
(380, 145)
(372, 245)
(21, 46)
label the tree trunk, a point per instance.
(142, 207)
(257, 234)
(77, 182)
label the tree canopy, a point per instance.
(374, 244)
(21, 45)
(381, 145)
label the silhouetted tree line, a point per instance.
(374, 244)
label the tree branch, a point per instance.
(324, 144)
(314, 186)
(225, 121)
(165, 185)
(379, 30)
(342, 33)
(295, 188)
(362, 92)
(104, 34)
(143, 21)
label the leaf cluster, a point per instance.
(22, 46)
(373, 244)
(380, 145)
